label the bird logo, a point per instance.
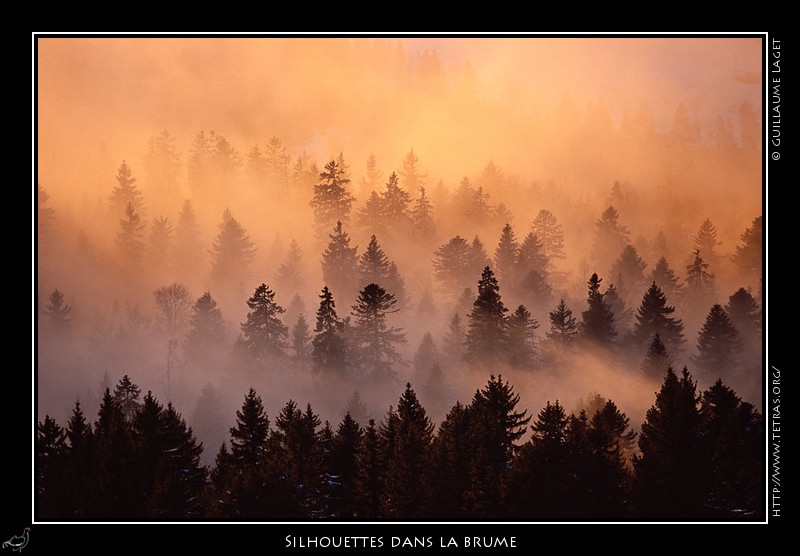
(18, 542)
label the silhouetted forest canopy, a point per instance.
(423, 293)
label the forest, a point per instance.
(268, 326)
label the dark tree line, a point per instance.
(698, 456)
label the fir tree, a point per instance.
(263, 333)
(453, 344)
(597, 325)
(130, 240)
(654, 316)
(610, 236)
(126, 394)
(232, 253)
(749, 254)
(718, 344)
(705, 241)
(376, 341)
(51, 447)
(423, 225)
(374, 267)
(667, 280)
(671, 470)
(657, 360)
(290, 276)
(699, 281)
(507, 253)
(340, 264)
(332, 201)
(407, 474)
(125, 193)
(563, 326)
(451, 266)
(522, 339)
(206, 335)
(58, 313)
(487, 330)
(329, 353)
(301, 342)
(546, 227)
(344, 469)
(395, 202)
(451, 464)
(368, 495)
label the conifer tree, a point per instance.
(610, 236)
(453, 344)
(451, 266)
(451, 464)
(374, 267)
(376, 341)
(699, 281)
(705, 241)
(332, 201)
(597, 324)
(78, 471)
(126, 394)
(487, 330)
(522, 341)
(547, 229)
(368, 495)
(395, 203)
(329, 352)
(667, 280)
(301, 342)
(563, 326)
(232, 253)
(408, 471)
(51, 447)
(657, 360)
(629, 269)
(344, 467)
(290, 275)
(125, 193)
(340, 264)
(671, 469)
(263, 333)
(130, 240)
(58, 313)
(206, 335)
(654, 316)
(506, 253)
(749, 254)
(423, 224)
(718, 344)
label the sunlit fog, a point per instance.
(180, 178)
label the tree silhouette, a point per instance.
(332, 201)
(597, 325)
(340, 264)
(718, 344)
(376, 341)
(487, 329)
(263, 333)
(329, 352)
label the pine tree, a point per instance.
(263, 333)
(506, 254)
(546, 227)
(340, 264)
(451, 266)
(130, 241)
(597, 325)
(344, 469)
(408, 471)
(395, 203)
(423, 224)
(329, 353)
(332, 201)
(671, 470)
(705, 241)
(657, 360)
(522, 339)
(126, 394)
(667, 280)
(368, 495)
(563, 326)
(58, 313)
(749, 254)
(376, 341)
(497, 426)
(125, 193)
(206, 335)
(487, 330)
(51, 447)
(232, 253)
(718, 344)
(374, 267)
(654, 316)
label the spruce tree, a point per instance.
(423, 224)
(671, 470)
(332, 201)
(374, 267)
(344, 468)
(522, 341)
(749, 254)
(451, 266)
(57, 313)
(125, 193)
(506, 253)
(376, 341)
(329, 352)
(550, 233)
(263, 333)
(206, 336)
(395, 203)
(368, 494)
(654, 316)
(657, 360)
(340, 264)
(487, 330)
(51, 495)
(705, 241)
(232, 253)
(563, 326)
(408, 472)
(597, 324)
(718, 345)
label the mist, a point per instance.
(665, 130)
